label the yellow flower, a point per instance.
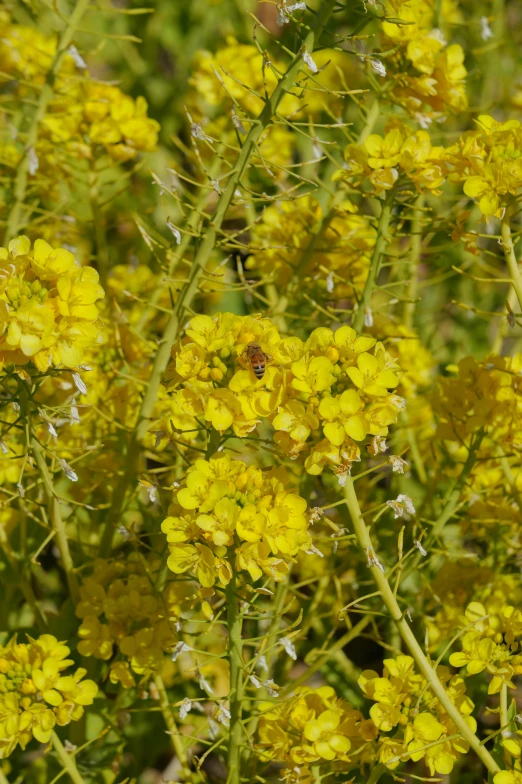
(508, 777)
(384, 152)
(78, 293)
(296, 420)
(371, 377)
(342, 419)
(312, 375)
(49, 263)
(424, 730)
(326, 743)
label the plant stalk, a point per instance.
(174, 733)
(415, 252)
(235, 658)
(363, 537)
(67, 760)
(511, 259)
(375, 263)
(54, 505)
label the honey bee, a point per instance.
(257, 359)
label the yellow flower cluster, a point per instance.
(36, 693)
(339, 260)
(456, 585)
(383, 159)
(334, 389)
(240, 73)
(428, 77)
(489, 163)
(314, 727)
(47, 306)
(232, 516)
(82, 113)
(120, 610)
(403, 702)
(482, 395)
(492, 643)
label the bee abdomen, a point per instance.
(259, 371)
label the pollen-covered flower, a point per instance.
(37, 693)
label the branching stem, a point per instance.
(201, 259)
(365, 542)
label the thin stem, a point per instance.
(371, 119)
(67, 760)
(375, 263)
(235, 658)
(201, 258)
(365, 542)
(511, 259)
(54, 505)
(14, 219)
(174, 733)
(415, 252)
(376, 773)
(25, 585)
(416, 455)
(504, 720)
(453, 496)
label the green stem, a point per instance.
(511, 259)
(54, 505)
(415, 252)
(99, 227)
(3, 777)
(375, 263)
(235, 658)
(174, 733)
(25, 585)
(453, 496)
(416, 455)
(14, 219)
(67, 760)
(371, 119)
(504, 720)
(201, 258)
(387, 596)
(376, 773)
